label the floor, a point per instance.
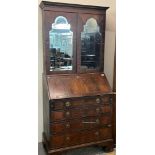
(83, 151)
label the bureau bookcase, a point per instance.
(77, 97)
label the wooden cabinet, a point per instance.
(77, 98)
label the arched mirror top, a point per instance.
(91, 39)
(61, 23)
(91, 26)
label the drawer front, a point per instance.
(79, 113)
(79, 102)
(87, 136)
(80, 124)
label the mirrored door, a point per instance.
(61, 44)
(91, 43)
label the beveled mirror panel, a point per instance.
(90, 45)
(61, 45)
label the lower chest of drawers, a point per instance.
(79, 121)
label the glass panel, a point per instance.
(90, 45)
(61, 45)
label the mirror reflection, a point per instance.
(90, 45)
(61, 45)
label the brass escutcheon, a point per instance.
(67, 125)
(67, 113)
(67, 138)
(96, 133)
(97, 100)
(109, 125)
(97, 121)
(67, 104)
(97, 110)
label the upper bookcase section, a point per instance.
(73, 37)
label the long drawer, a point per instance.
(69, 103)
(59, 115)
(76, 138)
(80, 124)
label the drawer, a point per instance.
(82, 137)
(80, 124)
(78, 102)
(79, 113)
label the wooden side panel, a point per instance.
(45, 106)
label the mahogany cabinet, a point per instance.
(77, 98)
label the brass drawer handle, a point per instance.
(67, 125)
(96, 133)
(67, 104)
(97, 110)
(97, 121)
(109, 125)
(67, 113)
(98, 100)
(67, 138)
